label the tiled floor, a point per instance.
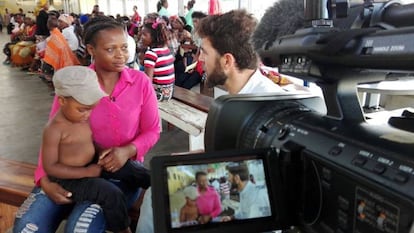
(25, 101)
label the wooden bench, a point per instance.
(16, 183)
(188, 111)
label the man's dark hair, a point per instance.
(52, 22)
(231, 33)
(239, 169)
(198, 15)
(200, 173)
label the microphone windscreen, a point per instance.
(283, 18)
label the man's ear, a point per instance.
(237, 179)
(227, 61)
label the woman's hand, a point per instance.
(203, 219)
(55, 192)
(114, 158)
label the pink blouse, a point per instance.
(128, 115)
(208, 203)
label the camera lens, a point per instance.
(267, 127)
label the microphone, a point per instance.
(112, 98)
(283, 18)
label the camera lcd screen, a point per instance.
(224, 192)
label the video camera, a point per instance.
(336, 171)
(322, 164)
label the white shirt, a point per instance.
(258, 83)
(254, 202)
(132, 49)
(70, 36)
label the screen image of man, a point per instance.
(254, 199)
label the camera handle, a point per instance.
(340, 93)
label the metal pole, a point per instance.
(124, 7)
(146, 7)
(180, 7)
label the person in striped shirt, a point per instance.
(158, 59)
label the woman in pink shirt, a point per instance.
(208, 200)
(125, 123)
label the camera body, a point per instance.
(337, 176)
(339, 173)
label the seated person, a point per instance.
(23, 52)
(57, 53)
(65, 24)
(192, 76)
(68, 149)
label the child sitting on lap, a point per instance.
(68, 149)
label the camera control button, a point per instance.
(400, 177)
(359, 161)
(283, 132)
(335, 151)
(326, 174)
(379, 168)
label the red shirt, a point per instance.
(162, 61)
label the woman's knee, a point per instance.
(38, 214)
(86, 217)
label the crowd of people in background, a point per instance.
(162, 45)
(165, 46)
(167, 50)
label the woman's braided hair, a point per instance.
(97, 24)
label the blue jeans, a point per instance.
(38, 213)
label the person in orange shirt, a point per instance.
(58, 54)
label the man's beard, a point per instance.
(234, 186)
(217, 77)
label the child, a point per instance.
(68, 149)
(189, 212)
(158, 60)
